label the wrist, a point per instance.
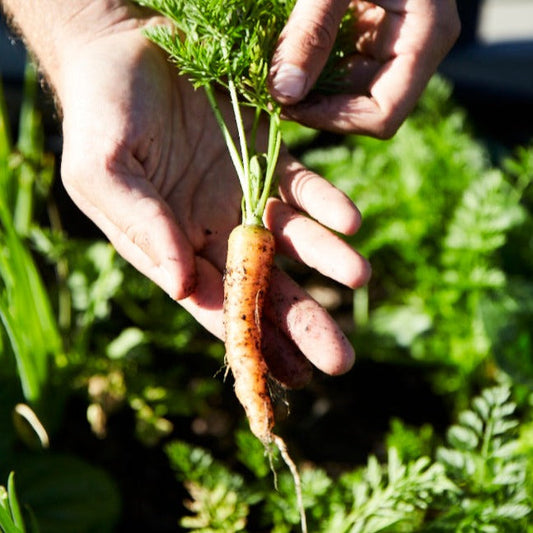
(54, 31)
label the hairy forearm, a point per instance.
(53, 29)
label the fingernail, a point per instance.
(167, 282)
(177, 288)
(289, 81)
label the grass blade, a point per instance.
(25, 310)
(14, 504)
(6, 522)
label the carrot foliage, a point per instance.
(226, 43)
(229, 45)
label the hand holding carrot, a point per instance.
(398, 45)
(152, 172)
(144, 160)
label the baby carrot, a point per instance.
(248, 266)
(249, 262)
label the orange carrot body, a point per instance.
(248, 266)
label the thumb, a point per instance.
(303, 48)
(140, 225)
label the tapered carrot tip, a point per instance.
(248, 266)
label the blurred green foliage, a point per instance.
(476, 483)
(447, 232)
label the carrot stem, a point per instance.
(255, 125)
(274, 146)
(245, 158)
(232, 149)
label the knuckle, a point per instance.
(318, 35)
(387, 127)
(135, 233)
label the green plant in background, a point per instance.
(219, 500)
(484, 459)
(477, 483)
(25, 309)
(59, 493)
(396, 495)
(439, 218)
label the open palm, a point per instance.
(144, 159)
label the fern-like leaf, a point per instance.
(483, 459)
(215, 41)
(395, 495)
(219, 501)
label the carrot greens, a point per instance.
(229, 45)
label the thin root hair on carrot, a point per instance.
(282, 447)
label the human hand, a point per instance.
(399, 45)
(144, 159)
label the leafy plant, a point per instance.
(218, 501)
(393, 496)
(440, 223)
(484, 460)
(25, 309)
(477, 483)
(66, 493)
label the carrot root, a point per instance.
(247, 275)
(248, 267)
(282, 447)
